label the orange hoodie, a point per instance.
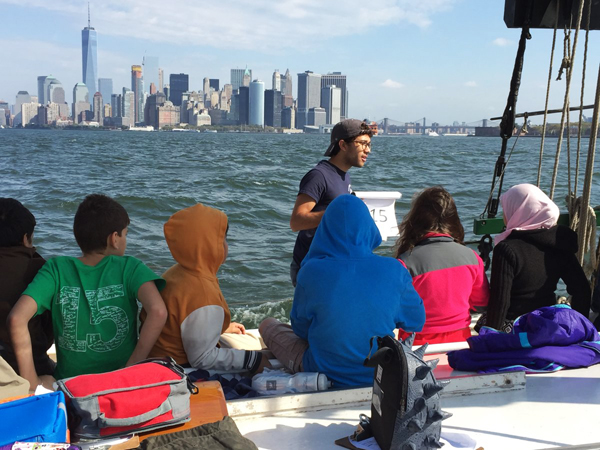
(198, 312)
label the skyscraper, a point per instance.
(257, 103)
(243, 108)
(21, 98)
(98, 108)
(55, 92)
(331, 101)
(178, 84)
(128, 109)
(89, 55)
(116, 105)
(273, 102)
(309, 96)
(150, 72)
(105, 87)
(286, 89)
(214, 83)
(41, 97)
(247, 77)
(137, 86)
(81, 102)
(276, 80)
(339, 80)
(238, 76)
(45, 89)
(206, 89)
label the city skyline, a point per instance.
(446, 60)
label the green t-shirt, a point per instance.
(94, 310)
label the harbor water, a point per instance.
(254, 179)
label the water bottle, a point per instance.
(274, 382)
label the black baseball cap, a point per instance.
(345, 129)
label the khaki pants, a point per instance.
(241, 341)
(282, 341)
(11, 384)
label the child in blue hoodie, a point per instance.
(345, 295)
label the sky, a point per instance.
(443, 60)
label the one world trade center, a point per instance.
(89, 56)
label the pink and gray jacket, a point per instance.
(451, 280)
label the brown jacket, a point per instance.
(18, 266)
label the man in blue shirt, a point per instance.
(350, 146)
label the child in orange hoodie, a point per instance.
(198, 312)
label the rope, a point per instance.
(571, 56)
(501, 174)
(507, 124)
(587, 231)
(586, 212)
(579, 128)
(539, 175)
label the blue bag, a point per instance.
(40, 418)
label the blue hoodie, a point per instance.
(346, 294)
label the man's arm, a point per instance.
(303, 216)
(17, 322)
(156, 316)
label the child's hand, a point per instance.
(47, 381)
(236, 328)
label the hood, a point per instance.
(195, 238)
(559, 237)
(526, 207)
(347, 230)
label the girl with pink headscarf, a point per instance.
(530, 257)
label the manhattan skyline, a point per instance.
(446, 60)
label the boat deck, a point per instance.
(538, 411)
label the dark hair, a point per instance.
(97, 217)
(365, 129)
(16, 221)
(432, 210)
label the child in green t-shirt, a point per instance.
(92, 299)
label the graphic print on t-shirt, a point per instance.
(69, 301)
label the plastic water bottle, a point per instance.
(274, 382)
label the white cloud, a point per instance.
(261, 25)
(430, 88)
(471, 84)
(501, 42)
(392, 84)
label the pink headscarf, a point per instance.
(526, 207)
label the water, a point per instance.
(253, 178)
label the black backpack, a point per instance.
(405, 407)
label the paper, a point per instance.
(366, 444)
(458, 440)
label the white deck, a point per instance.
(550, 410)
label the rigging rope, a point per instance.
(539, 175)
(566, 99)
(583, 72)
(585, 210)
(508, 117)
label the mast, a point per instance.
(89, 26)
